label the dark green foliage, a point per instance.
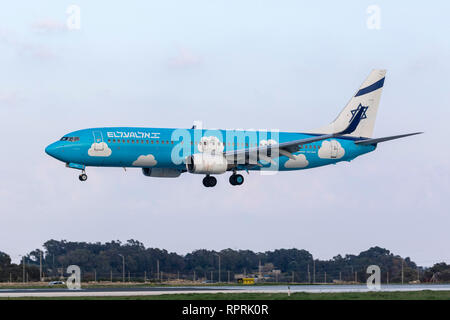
(100, 260)
(10, 271)
(440, 272)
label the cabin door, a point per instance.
(334, 149)
(98, 139)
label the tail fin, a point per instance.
(364, 105)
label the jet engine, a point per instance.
(205, 163)
(161, 172)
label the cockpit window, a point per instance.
(71, 139)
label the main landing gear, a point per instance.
(236, 179)
(82, 176)
(209, 181)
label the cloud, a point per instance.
(99, 150)
(49, 25)
(185, 58)
(299, 162)
(145, 161)
(25, 48)
(210, 144)
(331, 150)
(10, 98)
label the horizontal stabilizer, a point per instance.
(374, 141)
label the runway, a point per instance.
(146, 291)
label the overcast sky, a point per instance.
(289, 65)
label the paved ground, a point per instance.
(140, 291)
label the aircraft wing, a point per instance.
(268, 151)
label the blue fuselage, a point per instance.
(168, 148)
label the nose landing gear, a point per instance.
(83, 176)
(236, 179)
(209, 181)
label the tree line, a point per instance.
(104, 261)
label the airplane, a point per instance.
(169, 152)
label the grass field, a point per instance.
(398, 295)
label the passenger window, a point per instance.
(162, 141)
(147, 141)
(128, 141)
(109, 140)
(157, 141)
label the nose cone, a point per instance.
(51, 150)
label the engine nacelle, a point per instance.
(205, 163)
(161, 172)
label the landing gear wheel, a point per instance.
(83, 177)
(209, 181)
(212, 181)
(239, 179)
(236, 179)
